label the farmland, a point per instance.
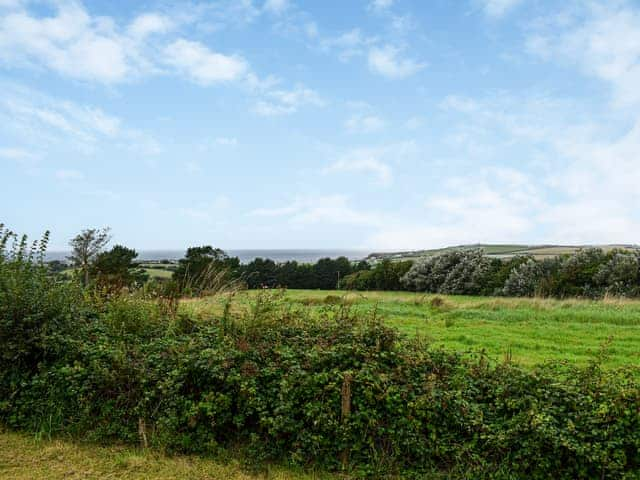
(370, 385)
(537, 252)
(527, 331)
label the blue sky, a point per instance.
(375, 124)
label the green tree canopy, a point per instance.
(85, 247)
(117, 268)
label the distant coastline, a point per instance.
(245, 255)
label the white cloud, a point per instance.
(493, 206)
(202, 65)
(193, 167)
(276, 7)
(227, 141)
(42, 116)
(285, 102)
(499, 8)
(403, 24)
(603, 39)
(108, 195)
(380, 5)
(17, 154)
(364, 123)
(71, 43)
(10, 3)
(26, 159)
(324, 209)
(375, 161)
(76, 44)
(387, 62)
(362, 164)
(277, 211)
(350, 44)
(68, 175)
(585, 162)
(414, 123)
(311, 29)
(39, 118)
(215, 210)
(150, 24)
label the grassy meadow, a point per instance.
(527, 331)
(502, 251)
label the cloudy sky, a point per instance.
(376, 124)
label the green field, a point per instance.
(528, 331)
(500, 251)
(24, 458)
(158, 273)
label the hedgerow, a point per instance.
(338, 392)
(588, 272)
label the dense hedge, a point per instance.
(385, 275)
(589, 272)
(201, 266)
(336, 392)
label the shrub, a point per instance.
(524, 280)
(620, 275)
(340, 392)
(385, 275)
(465, 272)
(34, 307)
(577, 272)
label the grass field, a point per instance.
(158, 273)
(24, 458)
(501, 251)
(529, 331)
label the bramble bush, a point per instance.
(339, 392)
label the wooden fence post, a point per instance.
(142, 433)
(346, 412)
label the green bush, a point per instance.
(34, 307)
(467, 272)
(339, 392)
(384, 275)
(279, 390)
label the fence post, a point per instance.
(346, 412)
(142, 433)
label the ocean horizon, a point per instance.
(245, 255)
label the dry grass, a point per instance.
(24, 458)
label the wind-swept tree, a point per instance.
(116, 268)
(85, 247)
(204, 268)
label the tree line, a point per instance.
(589, 272)
(341, 392)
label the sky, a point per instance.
(367, 124)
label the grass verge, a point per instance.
(23, 457)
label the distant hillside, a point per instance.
(499, 251)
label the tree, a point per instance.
(384, 275)
(620, 275)
(205, 267)
(85, 247)
(577, 271)
(261, 273)
(524, 279)
(116, 268)
(56, 266)
(328, 272)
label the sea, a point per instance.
(245, 256)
